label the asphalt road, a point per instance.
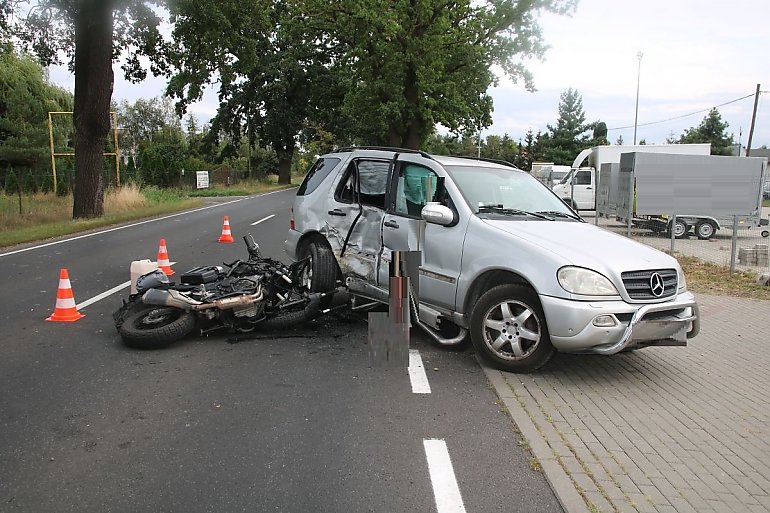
(292, 422)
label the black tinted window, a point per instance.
(316, 175)
(583, 178)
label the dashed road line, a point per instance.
(103, 295)
(417, 375)
(442, 477)
(262, 220)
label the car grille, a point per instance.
(638, 283)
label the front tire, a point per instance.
(154, 327)
(508, 329)
(320, 275)
(680, 229)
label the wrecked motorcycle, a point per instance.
(239, 296)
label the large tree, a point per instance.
(92, 34)
(563, 142)
(275, 72)
(418, 63)
(711, 130)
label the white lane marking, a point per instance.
(103, 295)
(417, 375)
(442, 477)
(261, 220)
(137, 224)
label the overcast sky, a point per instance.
(696, 55)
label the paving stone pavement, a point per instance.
(669, 429)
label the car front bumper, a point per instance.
(583, 327)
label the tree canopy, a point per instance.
(711, 130)
(26, 98)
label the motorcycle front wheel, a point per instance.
(154, 327)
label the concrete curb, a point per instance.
(557, 478)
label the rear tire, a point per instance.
(705, 230)
(508, 329)
(154, 327)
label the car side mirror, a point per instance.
(437, 213)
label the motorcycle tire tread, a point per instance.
(158, 337)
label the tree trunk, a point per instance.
(284, 165)
(93, 91)
(414, 125)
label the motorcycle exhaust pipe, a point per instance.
(170, 298)
(233, 302)
(174, 299)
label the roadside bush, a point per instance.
(11, 182)
(30, 185)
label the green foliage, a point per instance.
(11, 182)
(414, 65)
(711, 130)
(162, 163)
(30, 185)
(25, 100)
(564, 141)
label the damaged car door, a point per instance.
(355, 215)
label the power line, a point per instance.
(686, 115)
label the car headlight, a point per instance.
(682, 283)
(585, 282)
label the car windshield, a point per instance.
(506, 191)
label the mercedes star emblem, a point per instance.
(656, 285)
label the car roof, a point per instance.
(444, 160)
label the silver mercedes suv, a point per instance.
(504, 262)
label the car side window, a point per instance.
(583, 178)
(416, 186)
(373, 175)
(317, 174)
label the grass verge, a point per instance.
(44, 216)
(708, 278)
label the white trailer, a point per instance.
(702, 193)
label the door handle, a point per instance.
(589, 188)
(336, 212)
(391, 224)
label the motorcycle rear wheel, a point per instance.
(155, 327)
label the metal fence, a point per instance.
(744, 249)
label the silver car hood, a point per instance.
(586, 245)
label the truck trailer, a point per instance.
(690, 193)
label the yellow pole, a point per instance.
(53, 158)
(117, 158)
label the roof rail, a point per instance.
(485, 159)
(383, 148)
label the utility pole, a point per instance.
(638, 74)
(753, 119)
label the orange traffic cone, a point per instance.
(163, 263)
(226, 235)
(66, 310)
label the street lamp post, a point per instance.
(638, 74)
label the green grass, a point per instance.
(44, 216)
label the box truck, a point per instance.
(578, 188)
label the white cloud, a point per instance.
(696, 55)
